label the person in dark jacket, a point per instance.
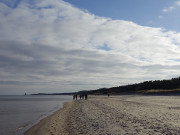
(86, 96)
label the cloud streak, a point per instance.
(51, 46)
(172, 8)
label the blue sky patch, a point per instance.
(11, 3)
(105, 47)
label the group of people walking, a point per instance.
(81, 96)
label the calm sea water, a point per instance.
(18, 113)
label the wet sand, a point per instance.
(114, 115)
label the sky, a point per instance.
(50, 46)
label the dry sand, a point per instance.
(116, 115)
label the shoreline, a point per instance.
(127, 114)
(51, 124)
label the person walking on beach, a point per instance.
(80, 97)
(74, 97)
(86, 96)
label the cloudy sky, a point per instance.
(71, 45)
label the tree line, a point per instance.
(173, 83)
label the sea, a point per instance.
(19, 113)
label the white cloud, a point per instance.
(53, 45)
(177, 3)
(172, 8)
(169, 9)
(160, 17)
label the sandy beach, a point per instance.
(114, 115)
